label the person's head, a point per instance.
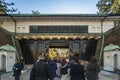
(21, 58)
(41, 56)
(57, 59)
(76, 60)
(93, 59)
(64, 61)
(77, 53)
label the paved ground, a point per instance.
(25, 75)
(108, 76)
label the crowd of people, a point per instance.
(56, 69)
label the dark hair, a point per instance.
(77, 60)
(93, 59)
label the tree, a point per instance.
(104, 6)
(115, 7)
(108, 6)
(4, 7)
(35, 12)
(1, 8)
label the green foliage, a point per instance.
(108, 6)
(116, 7)
(4, 7)
(104, 6)
(35, 12)
(1, 8)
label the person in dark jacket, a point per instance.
(17, 70)
(77, 71)
(40, 69)
(52, 67)
(93, 68)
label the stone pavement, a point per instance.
(25, 75)
(108, 76)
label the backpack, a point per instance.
(64, 70)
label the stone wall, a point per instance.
(113, 36)
(5, 37)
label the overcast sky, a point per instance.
(56, 6)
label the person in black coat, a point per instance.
(77, 71)
(40, 69)
(92, 69)
(52, 67)
(17, 70)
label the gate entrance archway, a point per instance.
(31, 48)
(59, 51)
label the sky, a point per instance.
(56, 6)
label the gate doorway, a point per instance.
(59, 51)
(31, 48)
(3, 63)
(115, 62)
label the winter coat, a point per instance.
(39, 71)
(52, 67)
(92, 71)
(17, 70)
(77, 72)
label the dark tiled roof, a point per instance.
(55, 15)
(59, 15)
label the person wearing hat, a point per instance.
(40, 69)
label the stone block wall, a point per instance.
(5, 37)
(113, 36)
